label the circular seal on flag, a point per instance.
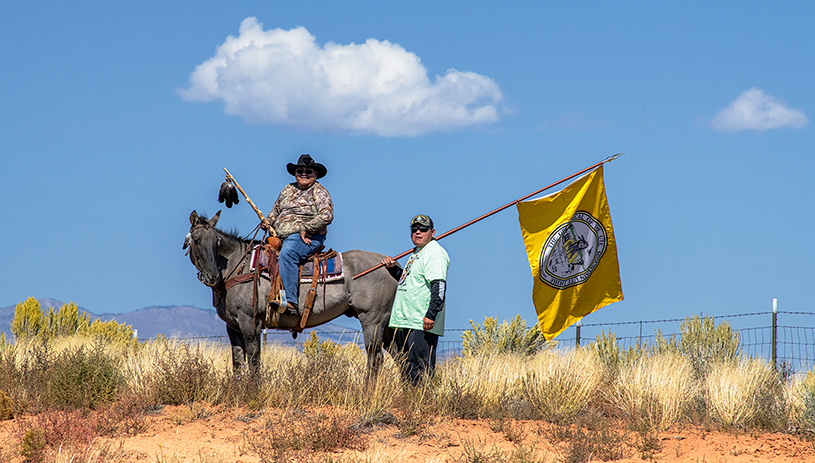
(572, 251)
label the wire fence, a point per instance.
(790, 346)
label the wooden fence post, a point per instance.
(577, 336)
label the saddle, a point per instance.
(321, 267)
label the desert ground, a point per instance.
(217, 434)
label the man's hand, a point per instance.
(427, 324)
(303, 236)
(388, 262)
(265, 225)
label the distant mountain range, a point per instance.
(182, 321)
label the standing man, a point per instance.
(418, 309)
(300, 218)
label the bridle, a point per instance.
(228, 281)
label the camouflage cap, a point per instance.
(422, 221)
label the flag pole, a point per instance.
(448, 233)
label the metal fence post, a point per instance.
(577, 336)
(775, 333)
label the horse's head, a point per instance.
(203, 241)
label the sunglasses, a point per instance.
(414, 229)
(304, 171)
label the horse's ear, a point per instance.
(215, 218)
(193, 217)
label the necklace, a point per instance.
(408, 265)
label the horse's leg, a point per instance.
(250, 332)
(238, 348)
(373, 330)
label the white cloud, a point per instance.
(754, 110)
(284, 78)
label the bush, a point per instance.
(703, 343)
(30, 321)
(612, 355)
(85, 378)
(183, 375)
(27, 321)
(507, 338)
(6, 407)
(33, 445)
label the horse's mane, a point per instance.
(232, 233)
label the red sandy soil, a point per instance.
(176, 434)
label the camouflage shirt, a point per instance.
(295, 209)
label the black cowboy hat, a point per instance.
(306, 161)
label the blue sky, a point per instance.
(117, 118)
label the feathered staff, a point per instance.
(229, 195)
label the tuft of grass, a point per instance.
(655, 390)
(479, 452)
(747, 394)
(559, 386)
(801, 399)
(478, 386)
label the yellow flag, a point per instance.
(570, 244)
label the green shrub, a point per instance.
(118, 334)
(703, 343)
(33, 445)
(513, 337)
(84, 378)
(6, 407)
(27, 321)
(612, 355)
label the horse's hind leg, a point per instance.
(238, 348)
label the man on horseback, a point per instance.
(300, 218)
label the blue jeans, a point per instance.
(293, 253)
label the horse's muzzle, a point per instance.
(209, 279)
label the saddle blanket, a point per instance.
(332, 268)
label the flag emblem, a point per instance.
(572, 252)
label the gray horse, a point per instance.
(218, 255)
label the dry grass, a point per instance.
(654, 390)
(571, 388)
(559, 385)
(747, 394)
